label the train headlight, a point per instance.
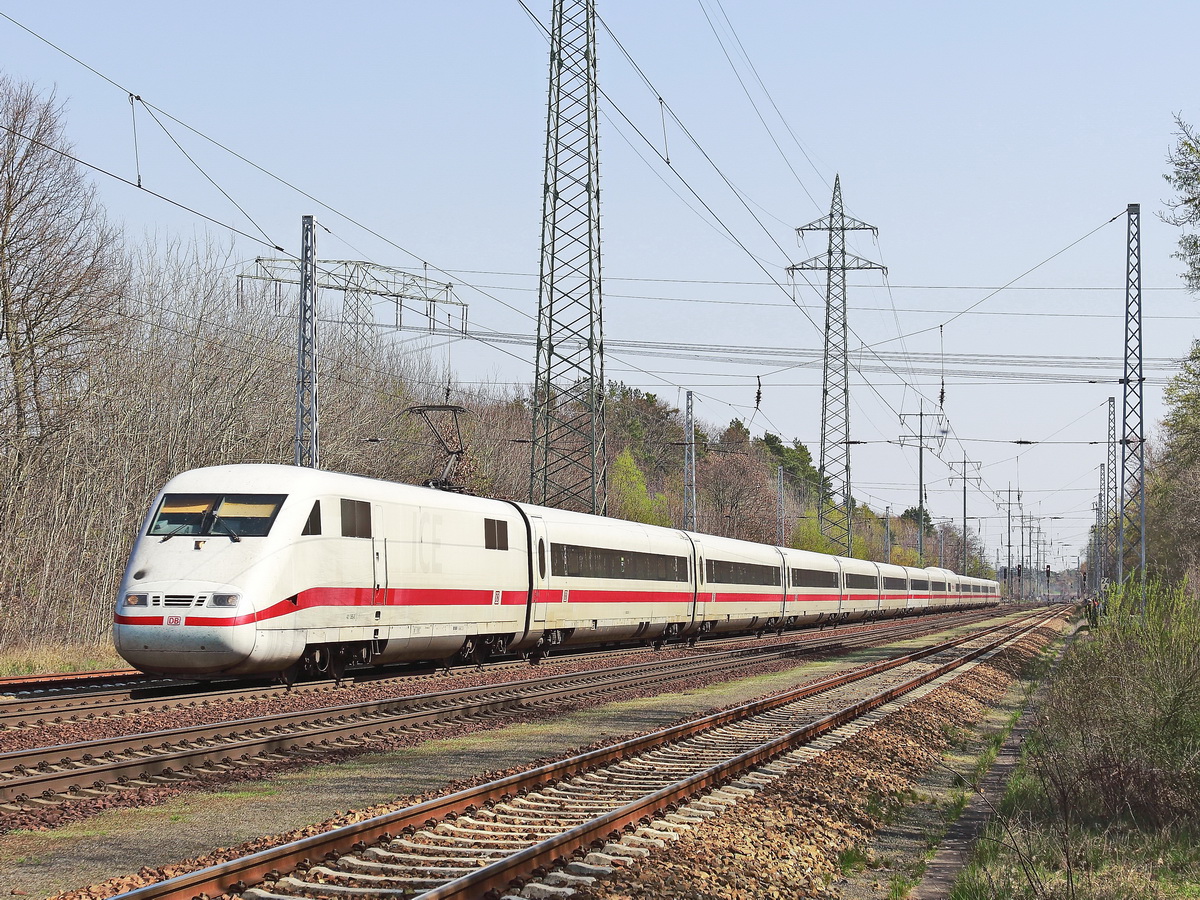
(137, 599)
(224, 601)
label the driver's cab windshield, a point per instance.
(232, 515)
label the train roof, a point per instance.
(260, 478)
(265, 478)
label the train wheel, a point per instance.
(479, 657)
(337, 664)
(290, 675)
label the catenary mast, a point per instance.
(1131, 533)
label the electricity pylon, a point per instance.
(568, 467)
(834, 517)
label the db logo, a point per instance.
(174, 620)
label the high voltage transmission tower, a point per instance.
(834, 517)
(1131, 533)
(568, 468)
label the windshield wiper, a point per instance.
(229, 529)
(174, 531)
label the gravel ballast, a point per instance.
(788, 840)
(189, 825)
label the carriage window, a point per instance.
(574, 561)
(723, 571)
(891, 583)
(356, 518)
(939, 585)
(313, 525)
(817, 578)
(495, 534)
(862, 582)
(233, 515)
(920, 585)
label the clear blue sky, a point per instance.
(981, 139)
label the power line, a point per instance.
(95, 168)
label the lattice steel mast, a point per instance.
(307, 432)
(1131, 535)
(1103, 529)
(834, 518)
(689, 469)
(568, 467)
(1111, 501)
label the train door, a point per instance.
(696, 612)
(539, 547)
(841, 594)
(379, 558)
(783, 583)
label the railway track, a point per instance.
(578, 817)
(49, 776)
(93, 696)
(39, 685)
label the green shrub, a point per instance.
(1120, 735)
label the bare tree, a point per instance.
(737, 497)
(62, 269)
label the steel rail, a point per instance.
(234, 876)
(94, 765)
(30, 683)
(554, 850)
(75, 705)
(72, 768)
(45, 684)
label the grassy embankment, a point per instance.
(51, 658)
(1106, 802)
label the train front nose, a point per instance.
(189, 635)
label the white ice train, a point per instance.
(258, 569)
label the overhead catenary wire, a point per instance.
(113, 175)
(151, 107)
(235, 231)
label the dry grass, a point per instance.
(48, 659)
(1106, 803)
